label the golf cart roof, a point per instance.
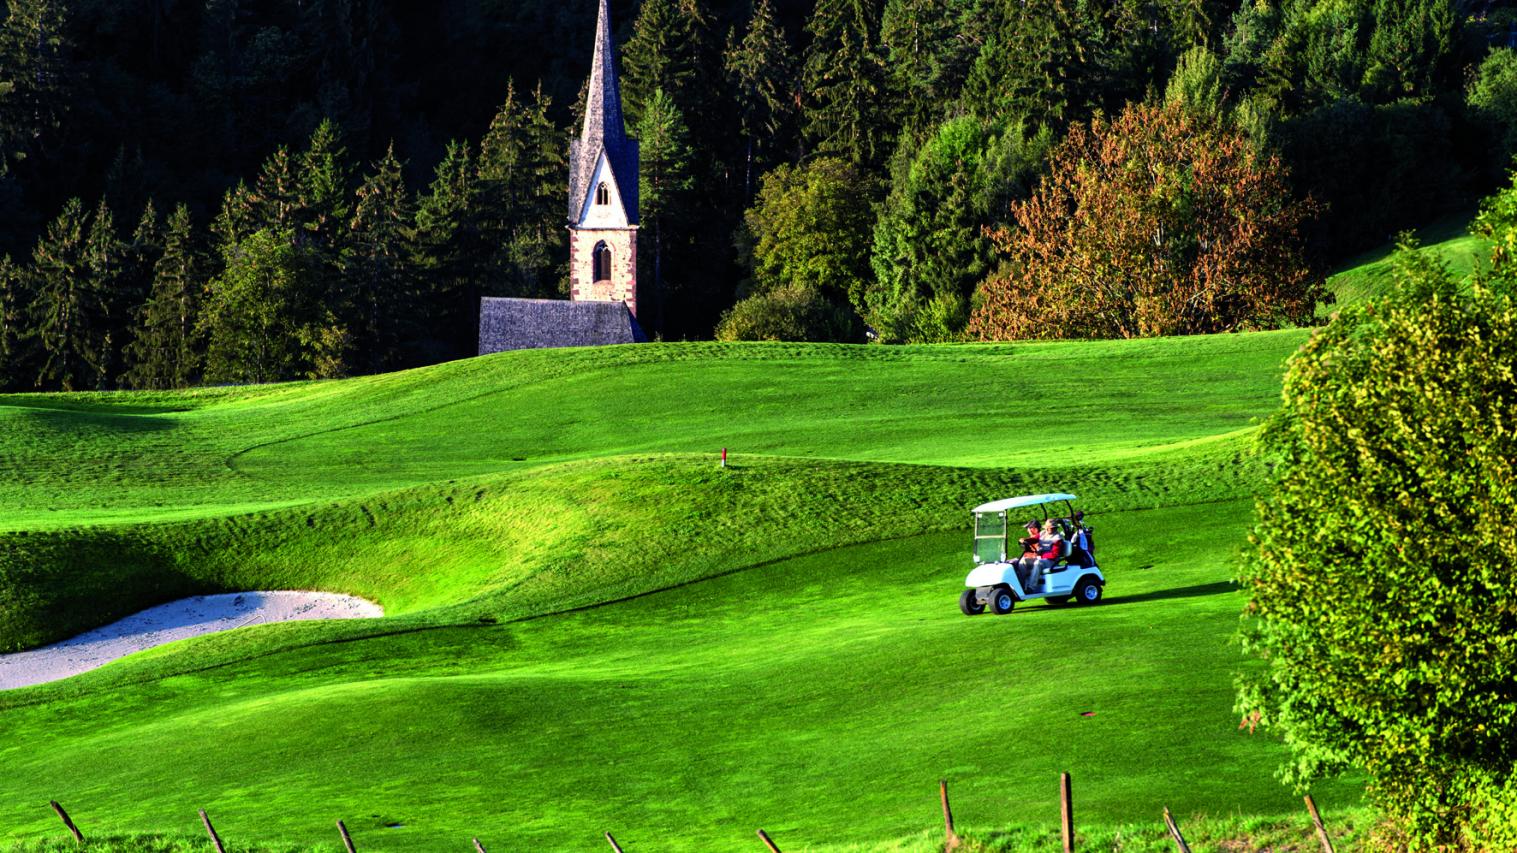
(1025, 500)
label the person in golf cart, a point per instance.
(1029, 555)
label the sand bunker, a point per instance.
(188, 617)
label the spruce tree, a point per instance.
(68, 312)
(321, 197)
(13, 326)
(377, 263)
(930, 46)
(843, 83)
(275, 197)
(165, 353)
(762, 75)
(35, 74)
(664, 181)
(673, 48)
(1035, 62)
(448, 246)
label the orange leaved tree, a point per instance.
(1153, 223)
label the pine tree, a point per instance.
(321, 200)
(762, 74)
(673, 49)
(377, 263)
(1035, 62)
(664, 181)
(448, 245)
(68, 312)
(13, 327)
(843, 83)
(275, 197)
(164, 354)
(34, 73)
(238, 216)
(930, 45)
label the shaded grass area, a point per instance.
(1372, 273)
(593, 627)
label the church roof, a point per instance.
(511, 324)
(604, 129)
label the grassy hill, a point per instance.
(593, 627)
(1369, 275)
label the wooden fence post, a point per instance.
(347, 840)
(78, 836)
(612, 841)
(211, 830)
(1311, 808)
(1174, 832)
(952, 842)
(479, 848)
(1067, 813)
(768, 842)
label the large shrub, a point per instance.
(787, 314)
(1382, 597)
(1156, 222)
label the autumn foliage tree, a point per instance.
(1156, 222)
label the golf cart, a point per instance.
(995, 581)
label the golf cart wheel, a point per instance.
(1002, 601)
(970, 604)
(1087, 591)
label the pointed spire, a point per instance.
(603, 131)
(603, 104)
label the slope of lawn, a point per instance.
(593, 627)
(1370, 274)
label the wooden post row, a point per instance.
(347, 840)
(1067, 813)
(768, 842)
(63, 815)
(211, 831)
(1311, 809)
(1174, 832)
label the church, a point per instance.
(602, 215)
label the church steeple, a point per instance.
(603, 187)
(604, 130)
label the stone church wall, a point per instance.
(622, 287)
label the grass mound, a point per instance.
(593, 627)
(1370, 274)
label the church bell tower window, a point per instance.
(602, 194)
(601, 260)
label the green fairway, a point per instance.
(592, 627)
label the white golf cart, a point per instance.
(995, 581)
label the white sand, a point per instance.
(188, 617)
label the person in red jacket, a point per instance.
(1050, 550)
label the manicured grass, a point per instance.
(595, 628)
(1370, 274)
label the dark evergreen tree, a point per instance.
(34, 73)
(664, 184)
(520, 199)
(930, 45)
(68, 313)
(165, 351)
(843, 83)
(447, 248)
(377, 263)
(1036, 62)
(14, 328)
(762, 75)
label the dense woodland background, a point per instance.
(235, 190)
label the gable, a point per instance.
(611, 214)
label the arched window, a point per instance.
(601, 260)
(602, 194)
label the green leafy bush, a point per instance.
(1382, 595)
(787, 314)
